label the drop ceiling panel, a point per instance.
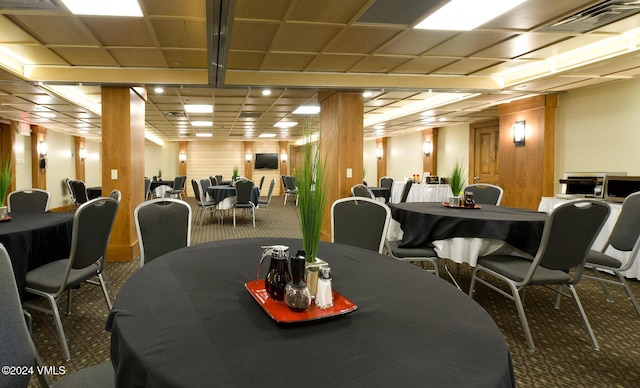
(33, 54)
(329, 11)
(120, 31)
(534, 13)
(415, 42)
(186, 59)
(303, 38)
(465, 44)
(56, 30)
(286, 62)
(266, 10)
(86, 56)
(378, 64)
(360, 40)
(253, 36)
(520, 45)
(466, 66)
(173, 8)
(181, 33)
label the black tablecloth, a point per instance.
(220, 192)
(381, 192)
(36, 239)
(424, 222)
(155, 184)
(186, 320)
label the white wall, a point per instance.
(22, 149)
(404, 155)
(453, 147)
(164, 157)
(598, 129)
(93, 164)
(60, 165)
(370, 163)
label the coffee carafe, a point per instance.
(278, 275)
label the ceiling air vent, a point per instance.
(30, 5)
(596, 16)
(250, 115)
(172, 115)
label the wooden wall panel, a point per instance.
(526, 172)
(216, 157)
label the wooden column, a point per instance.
(382, 161)
(527, 172)
(341, 145)
(430, 162)
(248, 164)
(38, 174)
(80, 165)
(7, 140)
(182, 166)
(123, 163)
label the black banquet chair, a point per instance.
(79, 190)
(484, 193)
(406, 190)
(92, 225)
(18, 348)
(264, 203)
(624, 237)
(28, 201)
(566, 239)
(290, 188)
(360, 222)
(163, 225)
(244, 190)
(363, 191)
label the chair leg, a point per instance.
(234, 217)
(446, 268)
(583, 315)
(56, 317)
(523, 317)
(253, 215)
(69, 301)
(103, 283)
(558, 297)
(607, 294)
(626, 287)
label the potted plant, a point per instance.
(5, 182)
(234, 176)
(159, 175)
(457, 182)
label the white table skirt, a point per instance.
(463, 249)
(547, 204)
(421, 192)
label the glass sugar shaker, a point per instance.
(324, 294)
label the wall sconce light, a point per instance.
(83, 154)
(379, 153)
(518, 133)
(427, 147)
(42, 149)
(182, 157)
(283, 157)
(248, 157)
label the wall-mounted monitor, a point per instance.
(266, 161)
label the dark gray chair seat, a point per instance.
(49, 277)
(597, 258)
(517, 269)
(421, 254)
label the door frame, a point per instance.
(472, 142)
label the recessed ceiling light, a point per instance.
(379, 131)
(198, 108)
(442, 119)
(202, 123)
(204, 134)
(378, 126)
(465, 15)
(266, 92)
(158, 90)
(307, 110)
(104, 8)
(46, 114)
(367, 94)
(285, 124)
(267, 135)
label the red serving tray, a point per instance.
(461, 207)
(281, 313)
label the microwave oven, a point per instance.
(618, 187)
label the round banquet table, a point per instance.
(186, 319)
(36, 239)
(425, 222)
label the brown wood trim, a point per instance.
(472, 150)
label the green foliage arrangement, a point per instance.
(312, 197)
(457, 178)
(6, 163)
(235, 173)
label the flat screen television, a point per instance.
(267, 161)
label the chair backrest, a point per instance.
(361, 190)
(79, 191)
(626, 231)
(386, 182)
(28, 201)
(271, 185)
(406, 190)
(147, 187)
(67, 183)
(205, 183)
(244, 189)
(214, 181)
(92, 225)
(178, 183)
(196, 191)
(261, 183)
(219, 179)
(360, 222)
(486, 194)
(568, 235)
(163, 225)
(290, 182)
(17, 347)
(115, 194)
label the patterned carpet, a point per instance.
(563, 356)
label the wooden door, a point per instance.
(483, 155)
